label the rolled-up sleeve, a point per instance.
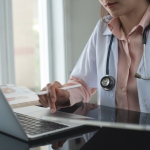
(82, 93)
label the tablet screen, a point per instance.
(98, 115)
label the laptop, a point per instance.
(26, 123)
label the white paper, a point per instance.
(6, 85)
(20, 94)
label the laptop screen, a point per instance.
(8, 121)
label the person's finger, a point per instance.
(43, 101)
(43, 104)
(43, 98)
(51, 104)
(52, 90)
(55, 145)
(52, 98)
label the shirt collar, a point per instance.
(145, 19)
(114, 26)
(107, 30)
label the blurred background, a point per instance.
(41, 40)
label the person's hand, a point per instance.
(55, 96)
(58, 144)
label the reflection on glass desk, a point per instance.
(9, 143)
(110, 117)
(118, 137)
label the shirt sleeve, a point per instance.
(82, 93)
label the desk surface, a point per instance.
(119, 138)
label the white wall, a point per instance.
(81, 17)
(58, 41)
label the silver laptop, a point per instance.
(26, 123)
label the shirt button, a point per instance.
(111, 94)
(128, 40)
(123, 90)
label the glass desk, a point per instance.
(93, 137)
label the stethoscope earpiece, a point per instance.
(107, 83)
(137, 76)
(144, 48)
(140, 77)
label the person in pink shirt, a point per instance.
(128, 20)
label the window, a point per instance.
(26, 43)
(32, 36)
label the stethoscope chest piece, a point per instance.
(107, 83)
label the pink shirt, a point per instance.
(129, 56)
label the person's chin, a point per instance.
(115, 14)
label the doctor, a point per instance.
(127, 21)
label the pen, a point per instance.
(64, 88)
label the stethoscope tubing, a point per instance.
(108, 55)
(144, 34)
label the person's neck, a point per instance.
(133, 18)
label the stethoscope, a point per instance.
(108, 82)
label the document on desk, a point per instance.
(19, 96)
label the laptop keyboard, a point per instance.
(34, 126)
